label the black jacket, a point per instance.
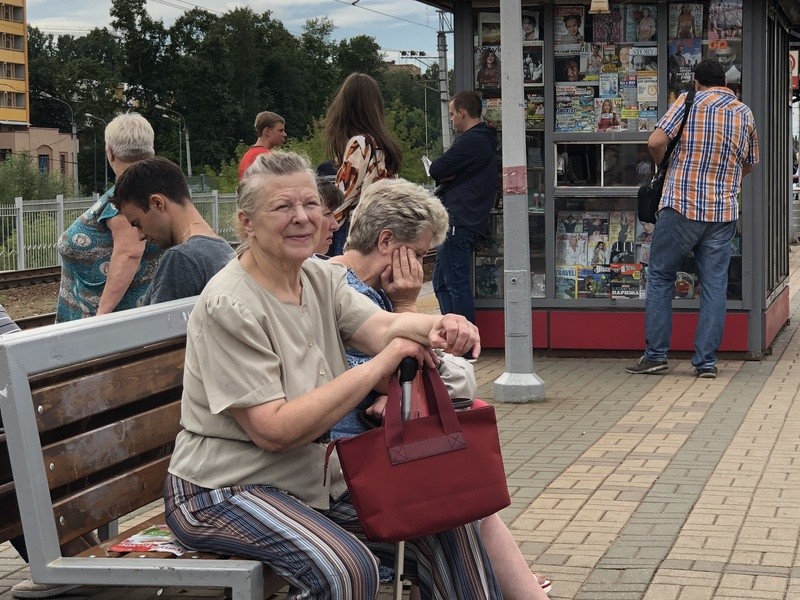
(472, 161)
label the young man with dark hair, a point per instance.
(698, 212)
(467, 178)
(271, 132)
(154, 197)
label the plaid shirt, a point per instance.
(705, 170)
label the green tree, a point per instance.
(19, 176)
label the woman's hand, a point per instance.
(456, 335)
(378, 408)
(388, 360)
(402, 280)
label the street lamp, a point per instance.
(186, 137)
(105, 158)
(75, 185)
(180, 139)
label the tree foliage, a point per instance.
(20, 176)
(217, 71)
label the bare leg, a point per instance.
(515, 577)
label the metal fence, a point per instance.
(29, 230)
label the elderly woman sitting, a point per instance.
(266, 378)
(393, 227)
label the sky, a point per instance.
(404, 24)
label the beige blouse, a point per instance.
(244, 348)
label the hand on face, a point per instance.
(456, 335)
(402, 279)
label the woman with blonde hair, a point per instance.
(358, 140)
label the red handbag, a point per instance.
(422, 476)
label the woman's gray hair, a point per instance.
(404, 208)
(130, 137)
(253, 187)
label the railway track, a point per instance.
(36, 321)
(15, 279)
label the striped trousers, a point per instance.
(323, 554)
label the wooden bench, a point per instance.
(91, 410)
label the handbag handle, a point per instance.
(446, 436)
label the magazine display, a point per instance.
(566, 282)
(574, 108)
(532, 62)
(571, 248)
(534, 113)
(686, 286)
(156, 538)
(627, 281)
(594, 282)
(488, 276)
(493, 112)
(685, 21)
(683, 56)
(609, 27)
(570, 222)
(725, 20)
(487, 67)
(640, 22)
(488, 28)
(621, 226)
(568, 27)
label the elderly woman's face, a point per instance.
(287, 224)
(420, 246)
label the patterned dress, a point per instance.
(85, 249)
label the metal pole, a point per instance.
(519, 383)
(188, 150)
(94, 133)
(444, 93)
(75, 184)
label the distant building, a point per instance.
(412, 70)
(52, 150)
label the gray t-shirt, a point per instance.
(185, 269)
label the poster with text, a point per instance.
(685, 21)
(568, 26)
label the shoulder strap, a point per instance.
(687, 106)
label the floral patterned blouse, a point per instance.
(362, 164)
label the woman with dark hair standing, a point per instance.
(358, 140)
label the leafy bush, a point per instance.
(20, 176)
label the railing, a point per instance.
(29, 230)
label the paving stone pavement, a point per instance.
(663, 487)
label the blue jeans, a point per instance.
(674, 237)
(451, 274)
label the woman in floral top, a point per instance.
(359, 142)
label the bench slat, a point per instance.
(99, 449)
(63, 403)
(111, 499)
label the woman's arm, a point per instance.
(282, 425)
(126, 255)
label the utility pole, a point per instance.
(445, 27)
(518, 383)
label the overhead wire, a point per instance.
(356, 5)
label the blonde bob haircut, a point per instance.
(254, 186)
(404, 208)
(130, 137)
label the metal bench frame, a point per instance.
(44, 349)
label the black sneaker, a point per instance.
(645, 366)
(706, 372)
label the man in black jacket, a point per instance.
(467, 178)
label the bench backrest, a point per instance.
(91, 409)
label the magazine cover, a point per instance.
(621, 227)
(644, 231)
(488, 28)
(647, 87)
(488, 276)
(487, 67)
(574, 108)
(570, 222)
(156, 538)
(537, 285)
(685, 21)
(568, 67)
(640, 22)
(530, 25)
(608, 27)
(622, 252)
(624, 58)
(594, 282)
(599, 250)
(626, 280)
(493, 112)
(725, 20)
(610, 59)
(609, 85)
(648, 117)
(683, 56)
(644, 58)
(729, 55)
(534, 113)
(607, 114)
(592, 62)
(595, 223)
(568, 26)
(571, 248)
(566, 283)
(532, 63)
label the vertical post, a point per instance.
(444, 92)
(20, 233)
(180, 147)
(75, 184)
(188, 150)
(518, 383)
(59, 224)
(215, 210)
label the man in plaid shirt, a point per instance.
(698, 212)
